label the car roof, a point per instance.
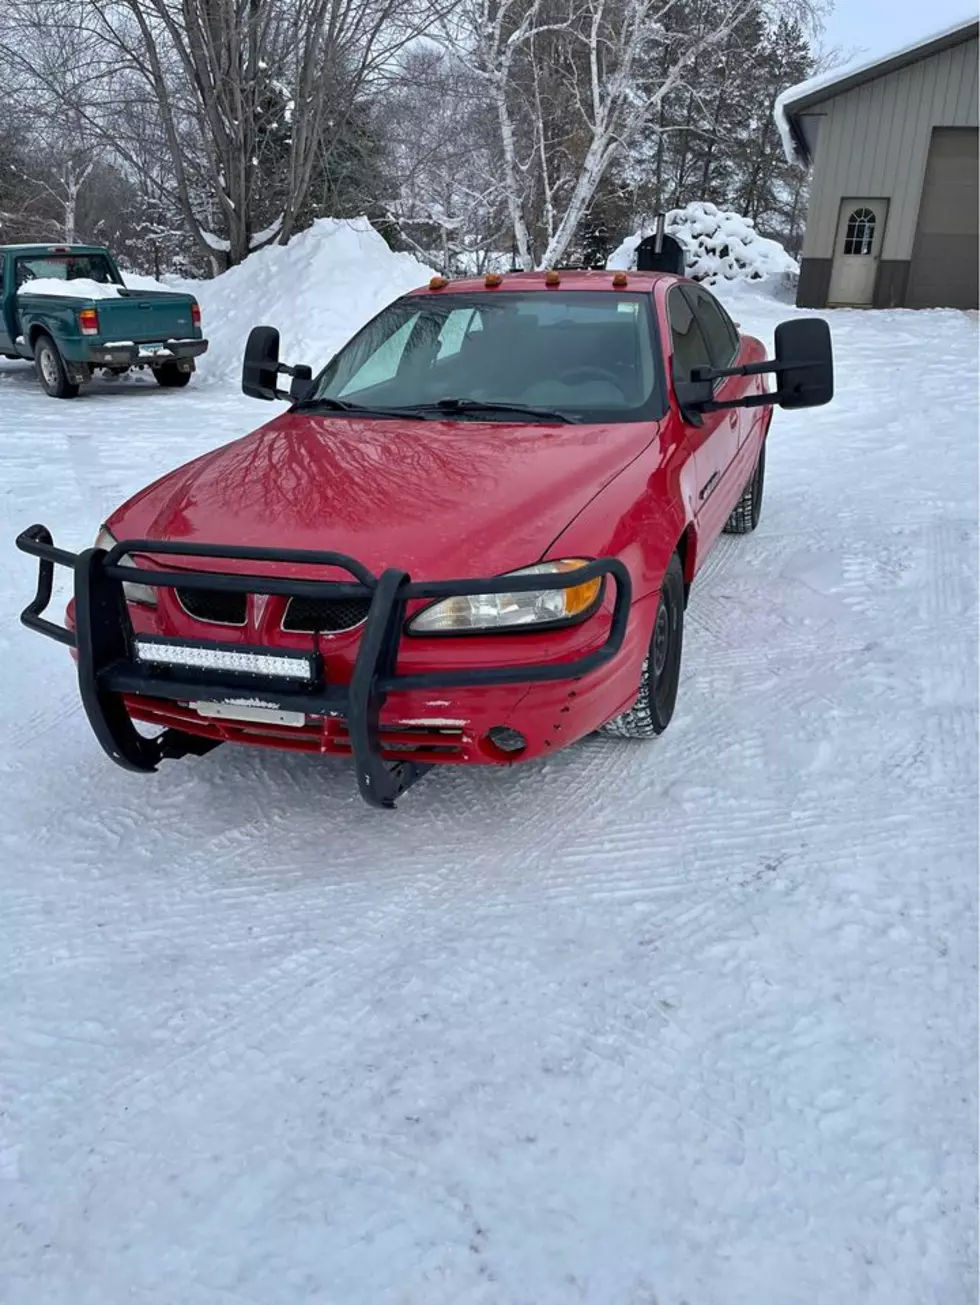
(569, 279)
(52, 247)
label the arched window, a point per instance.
(860, 233)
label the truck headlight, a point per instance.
(520, 609)
(134, 593)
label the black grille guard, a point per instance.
(109, 666)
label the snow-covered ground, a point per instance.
(687, 1023)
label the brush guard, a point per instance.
(114, 661)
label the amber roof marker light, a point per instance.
(438, 283)
(620, 280)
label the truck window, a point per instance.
(65, 267)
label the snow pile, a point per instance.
(317, 290)
(718, 246)
(80, 288)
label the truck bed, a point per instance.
(130, 316)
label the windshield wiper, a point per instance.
(358, 409)
(491, 405)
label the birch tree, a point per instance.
(596, 46)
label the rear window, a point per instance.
(587, 354)
(65, 267)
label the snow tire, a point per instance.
(171, 377)
(748, 509)
(51, 370)
(651, 713)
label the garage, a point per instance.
(944, 270)
(891, 146)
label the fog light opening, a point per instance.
(510, 742)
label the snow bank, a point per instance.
(77, 289)
(718, 245)
(317, 290)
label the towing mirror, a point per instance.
(805, 361)
(261, 366)
(804, 367)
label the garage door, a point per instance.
(944, 260)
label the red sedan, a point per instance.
(470, 539)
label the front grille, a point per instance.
(328, 615)
(213, 605)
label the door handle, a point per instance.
(709, 484)
(733, 419)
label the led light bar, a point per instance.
(224, 659)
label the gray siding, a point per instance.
(873, 143)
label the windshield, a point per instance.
(65, 267)
(587, 355)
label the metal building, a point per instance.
(892, 218)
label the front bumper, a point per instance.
(121, 673)
(144, 355)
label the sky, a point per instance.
(867, 28)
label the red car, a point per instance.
(470, 539)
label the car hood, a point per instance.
(436, 499)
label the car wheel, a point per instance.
(171, 377)
(650, 714)
(748, 509)
(51, 371)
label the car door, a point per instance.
(715, 440)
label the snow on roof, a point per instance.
(783, 110)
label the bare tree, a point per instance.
(246, 94)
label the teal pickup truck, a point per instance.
(67, 309)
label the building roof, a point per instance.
(794, 101)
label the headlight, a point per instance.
(135, 593)
(502, 611)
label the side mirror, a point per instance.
(261, 366)
(805, 374)
(301, 386)
(693, 398)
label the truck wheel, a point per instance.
(51, 370)
(171, 377)
(650, 714)
(748, 509)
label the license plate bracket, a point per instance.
(247, 711)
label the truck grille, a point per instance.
(327, 615)
(213, 605)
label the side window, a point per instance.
(687, 342)
(718, 328)
(2, 262)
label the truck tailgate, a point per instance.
(145, 315)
